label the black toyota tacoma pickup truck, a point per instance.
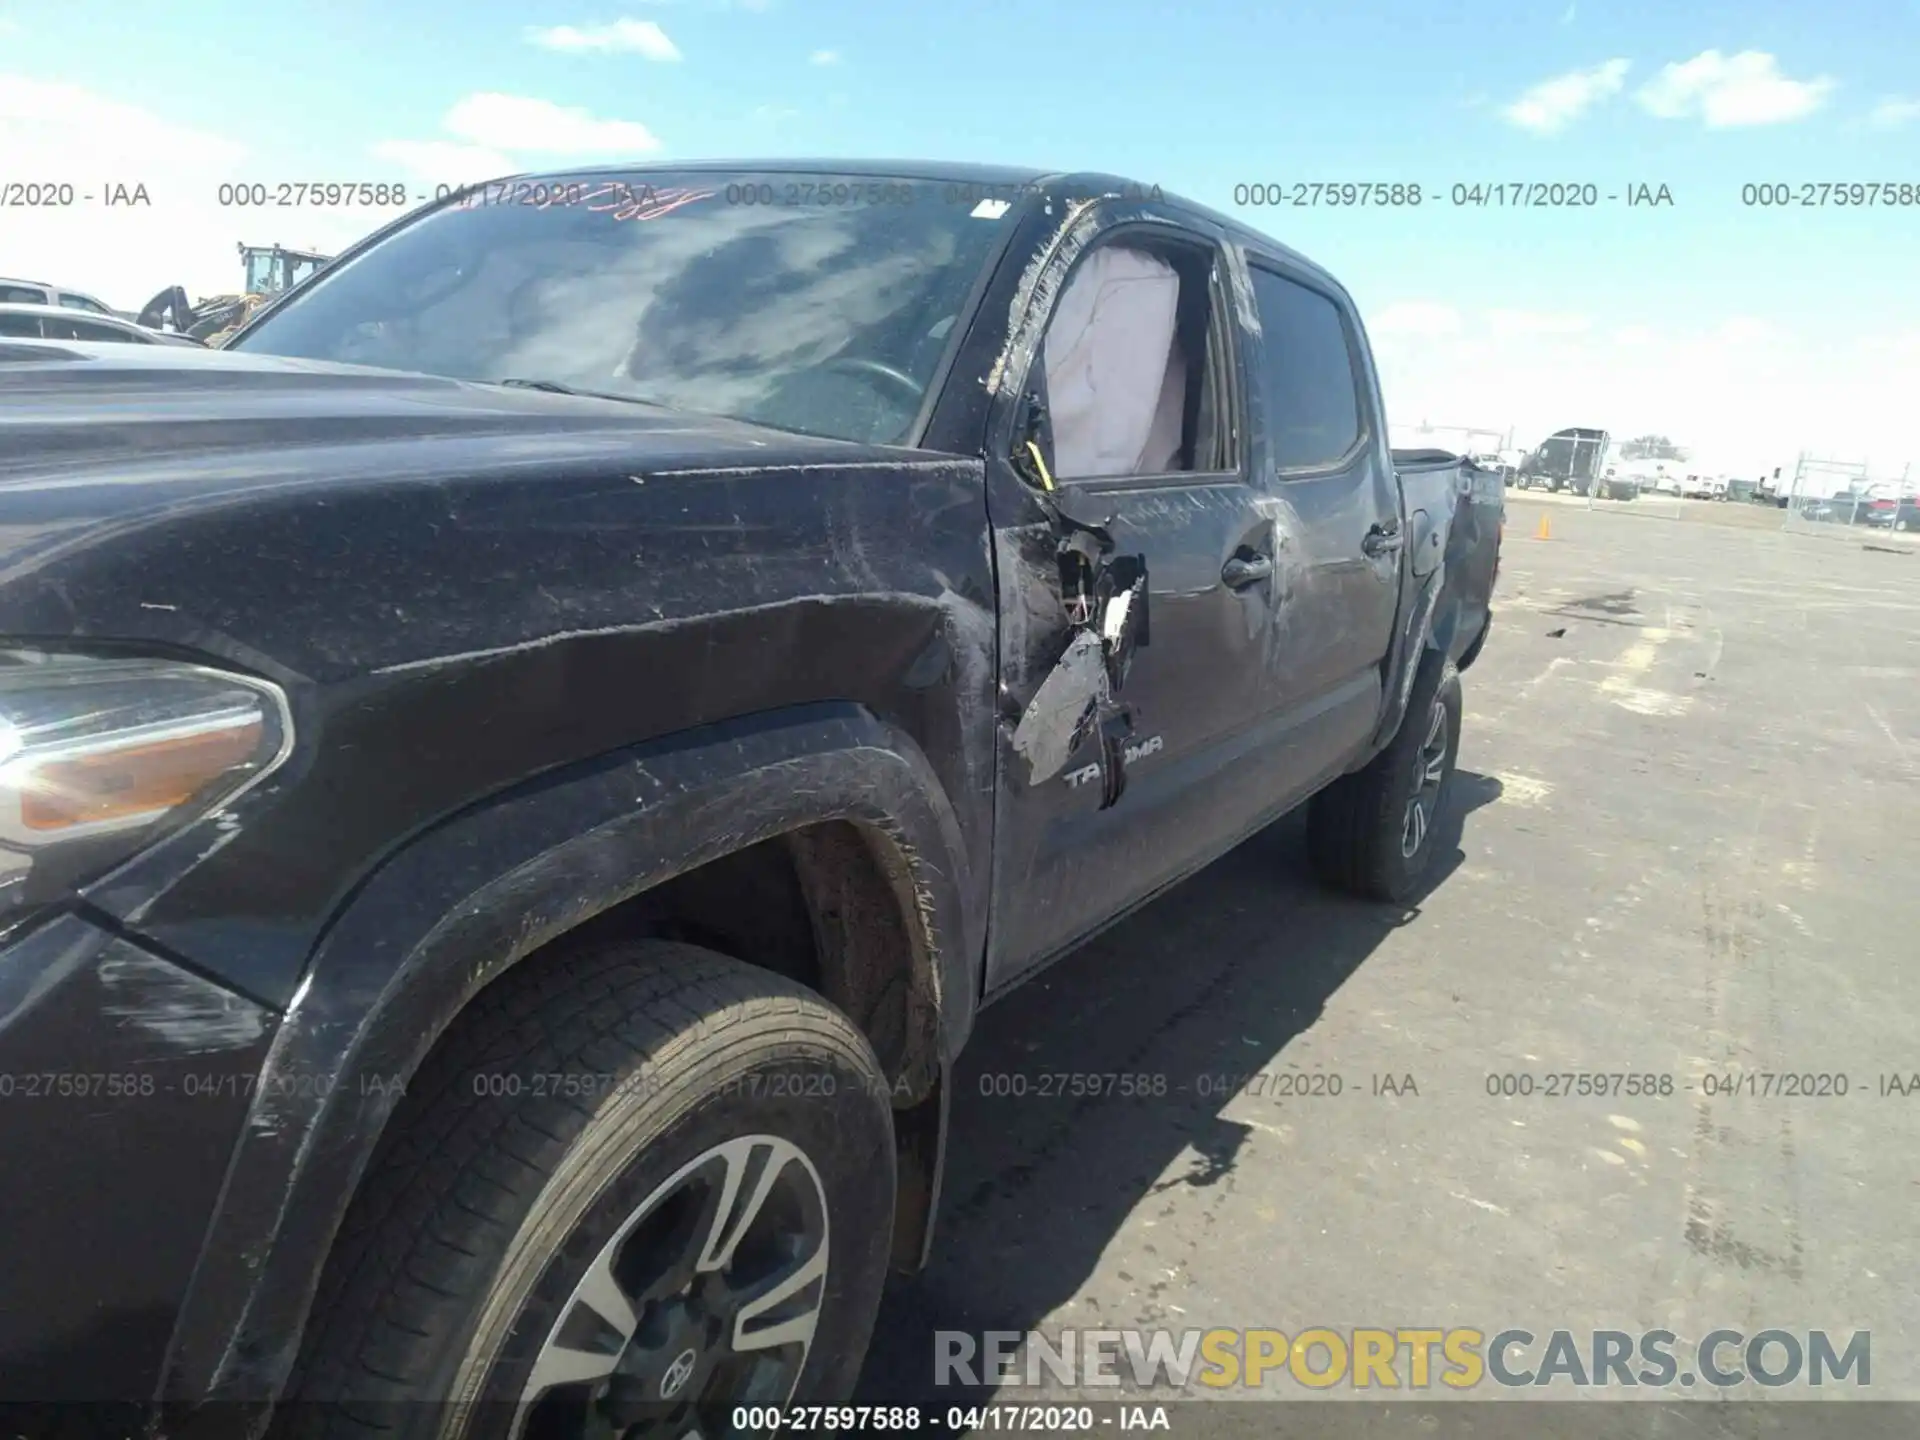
(518, 773)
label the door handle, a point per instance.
(1380, 540)
(1243, 570)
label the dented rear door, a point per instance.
(1321, 453)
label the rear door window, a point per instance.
(1311, 390)
(22, 295)
(20, 325)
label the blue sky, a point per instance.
(1706, 317)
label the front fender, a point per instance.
(457, 907)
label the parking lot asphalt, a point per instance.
(1744, 514)
(1682, 844)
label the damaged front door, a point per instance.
(1104, 599)
(1137, 581)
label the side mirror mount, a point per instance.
(1031, 441)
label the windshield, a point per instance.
(817, 303)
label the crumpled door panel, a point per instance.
(1105, 600)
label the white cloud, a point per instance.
(1414, 317)
(446, 162)
(1894, 347)
(1745, 330)
(125, 254)
(1732, 90)
(1741, 390)
(1536, 322)
(824, 57)
(623, 36)
(1894, 111)
(1550, 106)
(757, 6)
(521, 123)
(495, 135)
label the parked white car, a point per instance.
(1696, 487)
(38, 292)
(52, 322)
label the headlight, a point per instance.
(100, 757)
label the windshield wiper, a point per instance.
(554, 387)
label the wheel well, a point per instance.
(747, 904)
(830, 906)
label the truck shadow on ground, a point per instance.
(1209, 983)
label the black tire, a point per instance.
(1357, 826)
(1472, 652)
(497, 1188)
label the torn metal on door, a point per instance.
(1105, 599)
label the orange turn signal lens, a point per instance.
(127, 781)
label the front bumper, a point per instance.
(124, 1081)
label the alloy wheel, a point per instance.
(706, 1298)
(1429, 774)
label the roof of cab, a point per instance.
(948, 170)
(962, 173)
(1245, 234)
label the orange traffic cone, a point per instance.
(1545, 532)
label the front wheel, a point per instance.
(1372, 832)
(644, 1185)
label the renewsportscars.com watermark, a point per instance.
(1321, 1358)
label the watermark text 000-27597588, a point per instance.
(1456, 195)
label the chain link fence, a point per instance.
(1639, 492)
(1847, 500)
(1825, 493)
(1838, 499)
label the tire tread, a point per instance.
(456, 1164)
(1353, 825)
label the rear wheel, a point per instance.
(644, 1186)
(1472, 652)
(1372, 832)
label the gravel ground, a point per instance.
(1683, 845)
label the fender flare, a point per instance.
(1432, 621)
(1443, 628)
(461, 904)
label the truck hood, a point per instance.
(103, 428)
(325, 518)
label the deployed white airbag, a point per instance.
(1115, 387)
